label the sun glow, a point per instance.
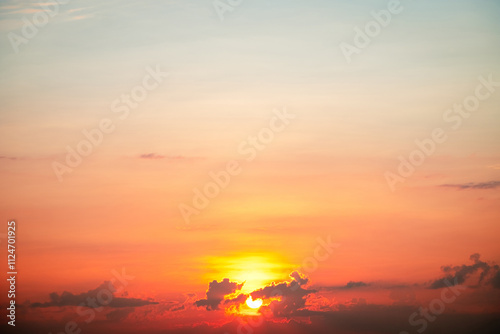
(254, 303)
(255, 270)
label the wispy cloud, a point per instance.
(152, 156)
(155, 156)
(497, 166)
(80, 17)
(3, 157)
(471, 185)
(8, 7)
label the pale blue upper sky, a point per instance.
(264, 54)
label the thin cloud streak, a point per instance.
(471, 185)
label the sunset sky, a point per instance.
(193, 154)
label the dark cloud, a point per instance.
(101, 296)
(373, 319)
(178, 308)
(471, 185)
(301, 280)
(459, 274)
(382, 319)
(495, 281)
(348, 286)
(370, 318)
(293, 300)
(241, 298)
(352, 285)
(119, 314)
(290, 296)
(216, 293)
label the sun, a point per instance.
(254, 303)
(266, 268)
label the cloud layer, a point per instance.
(101, 296)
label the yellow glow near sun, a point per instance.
(256, 270)
(254, 303)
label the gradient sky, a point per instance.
(323, 176)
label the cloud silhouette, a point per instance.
(459, 274)
(290, 296)
(495, 281)
(101, 296)
(352, 285)
(240, 299)
(216, 293)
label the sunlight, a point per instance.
(254, 303)
(256, 270)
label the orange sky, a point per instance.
(115, 117)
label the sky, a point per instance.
(335, 160)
